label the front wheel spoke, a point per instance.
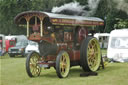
(89, 47)
(31, 60)
(33, 71)
(64, 59)
(62, 69)
(32, 65)
(38, 68)
(36, 71)
(35, 59)
(64, 65)
(61, 64)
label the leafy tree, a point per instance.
(107, 10)
(121, 23)
(9, 9)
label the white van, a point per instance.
(103, 39)
(118, 45)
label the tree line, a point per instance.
(114, 18)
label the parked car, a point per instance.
(19, 49)
(32, 46)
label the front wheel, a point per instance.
(32, 67)
(62, 64)
(90, 54)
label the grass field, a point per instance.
(13, 72)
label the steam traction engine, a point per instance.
(63, 42)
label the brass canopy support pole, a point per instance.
(35, 20)
(41, 26)
(27, 28)
(27, 17)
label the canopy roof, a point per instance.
(60, 18)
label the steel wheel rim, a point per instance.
(34, 67)
(64, 64)
(93, 53)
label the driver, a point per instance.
(36, 29)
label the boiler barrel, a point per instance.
(47, 48)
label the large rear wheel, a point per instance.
(32, 67)
(90, 54)
(62, 64)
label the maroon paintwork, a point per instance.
(77, 22)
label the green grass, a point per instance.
(13, 72)
(104, 52)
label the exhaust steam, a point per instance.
(74, 8)
(122, 5)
